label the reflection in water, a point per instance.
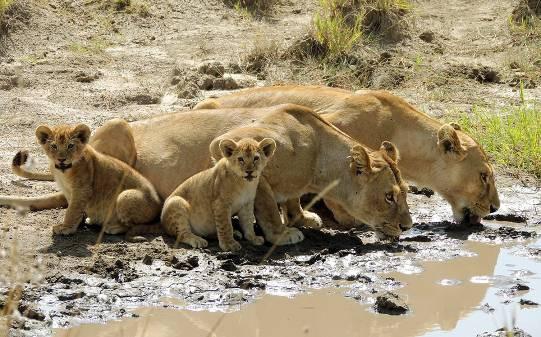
(443, 302)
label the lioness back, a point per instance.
(204, 203)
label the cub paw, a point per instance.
(288, 237)
(256, 240)
(310, 220)
(196, 242)
(230, 246)
(64, 230)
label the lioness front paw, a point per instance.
(288, 237)
(230, 246)
(64, 230)
(196, 242)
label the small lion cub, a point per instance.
(109, 191)
(206, 201)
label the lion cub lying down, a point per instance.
(107, 190)
(206, 201)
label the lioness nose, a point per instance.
(493, 209)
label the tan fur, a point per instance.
(310, 155)
(435, 155)
(205, 203)
(107, 190)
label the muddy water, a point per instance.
(446, 298)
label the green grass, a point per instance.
(512, 137)
(4, 4)
(95, 45)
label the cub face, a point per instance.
(63, 144)
(247, 157)
(379, 196)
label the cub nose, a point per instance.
(493, 209)
(249, 172)
(61, 160)
(403, 228)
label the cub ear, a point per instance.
(359, 160)
(455, 126)
(390, 150)
(449, 142)
(227, 146)
(43, 134)
(268, 145)
(81, 132)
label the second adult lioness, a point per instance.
(205, 203)
(433, 154)
(108, 191)
(310, 155)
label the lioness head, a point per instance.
(468, 178)
(63, 144)
(247, 157)
(379, 199)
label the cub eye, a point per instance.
(389, 197)
(256, 158)
(484, 177)
(70, 146)
(53, 146)
(241, 160)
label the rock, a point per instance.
(206, 82)
(427, 192)
(485, 74)
(144, 98)
(506, 217)
(147, 260)
(71, 296)
(226, 83)
(417, 238)
(85, 77)
(390, 304)
(524, 301)
(486, 308)
(516, 332)
(213, 68)
(187, 264)
(228, 265)
(427, 36)
(31, 311)
(520, 287)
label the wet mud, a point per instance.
(88, 283)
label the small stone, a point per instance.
(521, 287)
(391, 304)
(524, 301)
(71, 296)
(427, 36)
(147, 260)
(228, 265)
(226, 83)
(206, 82)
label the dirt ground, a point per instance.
(76, 61)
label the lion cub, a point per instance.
(206, 201)
(109, 191)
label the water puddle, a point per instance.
(463, 296)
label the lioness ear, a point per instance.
(359, 160)
(267, 145)
(455, 126)
(43, 134)
(81, 132)
(391, 150)
(449, 142)
(227, 146)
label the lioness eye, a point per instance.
(256, 158)
(389, 197)
(70, 146)
(53, 146)
(241, 160)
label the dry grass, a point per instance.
(138, 7)
(525, 21)
(252, 8)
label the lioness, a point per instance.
(109, 191)
(206, 201)
(436, 155)
(310, 155)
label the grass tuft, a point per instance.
(512, 137)
(252, 8)
(525, 21)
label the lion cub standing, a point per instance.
(206, 201)
(109, 191)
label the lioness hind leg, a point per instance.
(115, 138)
(298, 217)
(176, 221)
